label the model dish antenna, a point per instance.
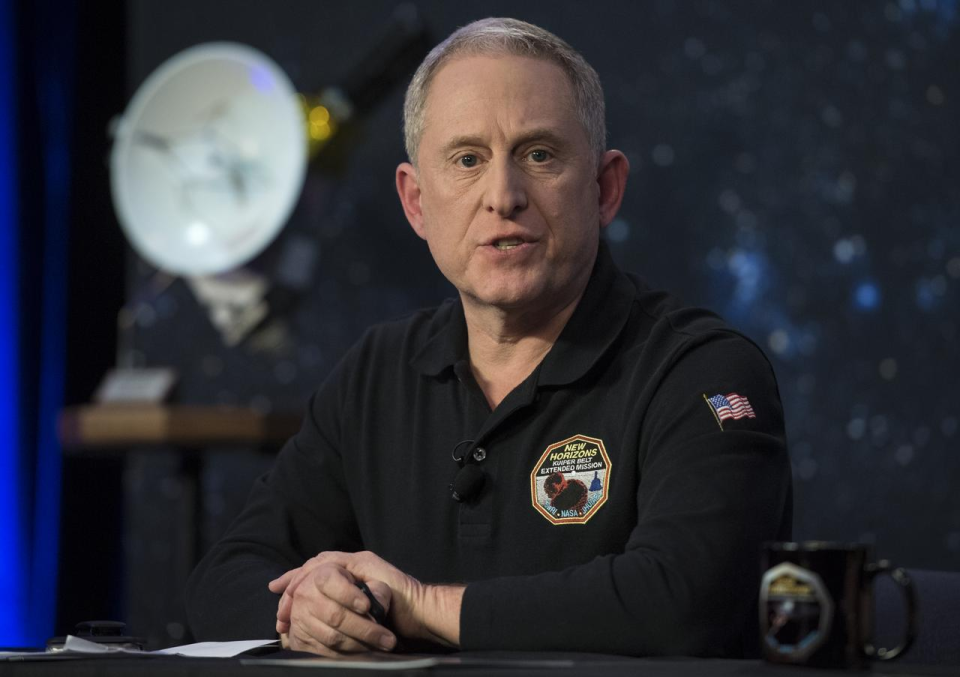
(209, 159)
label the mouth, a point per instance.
(505, 243)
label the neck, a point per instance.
(505, 346)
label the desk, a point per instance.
(499, 664)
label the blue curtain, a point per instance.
(12, 537)
(37, 52)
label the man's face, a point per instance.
(506, 191)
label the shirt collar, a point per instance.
(447, 340)
(594, 326)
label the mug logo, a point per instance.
(570, 481)
(796, 611)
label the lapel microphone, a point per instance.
(467, 483)
(470, 478)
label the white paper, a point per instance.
(216, 649)
(198, 650)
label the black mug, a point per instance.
(816, 605)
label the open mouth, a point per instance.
(508, 243)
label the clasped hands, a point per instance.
(322, 610)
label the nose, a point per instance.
(504, 192)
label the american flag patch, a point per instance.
(730, 405)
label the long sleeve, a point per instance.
(687, 579)
(301, 507)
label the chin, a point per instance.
(514, 299)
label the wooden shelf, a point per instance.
(104, 426)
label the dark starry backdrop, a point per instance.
(794, 167)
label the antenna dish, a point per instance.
(209, 159)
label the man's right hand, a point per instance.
(322, 610)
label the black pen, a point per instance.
(376, 608)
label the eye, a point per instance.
(468, 161)
(539, 155)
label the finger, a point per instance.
(360, 628)
(339, 585)
(293, 576)
(320, 574)
(304, 572)
(382, 592)
(369, 566)
(284, 607)
(340, 629)
(286, 600)
(321, 614)
(304, 642)
(280, 583)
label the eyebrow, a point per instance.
(544, 135)
(460, 142)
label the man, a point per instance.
(618, 457)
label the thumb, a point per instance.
(382, 592)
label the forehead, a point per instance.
(505, 93)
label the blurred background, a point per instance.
(794, 166)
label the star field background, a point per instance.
(794, 167)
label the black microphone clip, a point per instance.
(470, 478)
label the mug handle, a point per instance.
(901, 578)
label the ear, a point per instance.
(612, 181)
(408, 188)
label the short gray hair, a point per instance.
(518, 38)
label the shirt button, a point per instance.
(479, 454)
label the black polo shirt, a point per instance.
(623, 505)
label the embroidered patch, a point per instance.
(571, 480)
(730, 405)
